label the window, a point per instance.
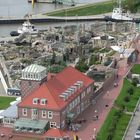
(34, 112)
(24, 111)
(78, 99)
(73, 105)
(44, 113)
(50, 114)
(43, 101)
(52, 124)
(88, 89)
(35, 101)
(70, 106)
(83, 95)
(75, 102)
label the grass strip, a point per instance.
(86, 10)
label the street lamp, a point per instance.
(94, 134)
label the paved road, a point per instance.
(134, 125)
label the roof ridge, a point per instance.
(52, 95)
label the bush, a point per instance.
(82, 66)
(135, 81)
(127, 98)
(130, 90)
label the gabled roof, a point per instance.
(54, 87)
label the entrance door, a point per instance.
(34, 113)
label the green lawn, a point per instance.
(136, 69)
(121, 125)
(92, 9)
(5, 102)
(133, 98)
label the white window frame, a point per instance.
(83, 94)
(75, 102)
(50, 113)
(43, 102)
(78, 99)
(88, 89)
(24, 111)
(52, 124)
(35, 101)
(44, 113)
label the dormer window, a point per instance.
(43, 101)
(35, 100)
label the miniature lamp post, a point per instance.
(94, 135)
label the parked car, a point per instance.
(137, 135)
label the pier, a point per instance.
(44, 18)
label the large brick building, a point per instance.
(51, 103)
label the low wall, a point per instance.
(3, 82)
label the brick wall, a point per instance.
(27, 86)
(55, 118)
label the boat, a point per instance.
(119, 14)
(27, 27)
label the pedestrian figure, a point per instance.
(117, 76)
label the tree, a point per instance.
(135, 81)
(127, 98)
(82, 66)
(130, 90)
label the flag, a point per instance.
(76, 137)
(33, 2)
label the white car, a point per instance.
(137, 134)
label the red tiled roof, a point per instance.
(54, 87)
(55, 133)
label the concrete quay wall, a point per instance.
(51, 19)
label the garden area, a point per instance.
(136, 69)
(117, 119)
(114, 126)
(128, 97)
(5, 101)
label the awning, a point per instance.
(28, 123)
(70, 115)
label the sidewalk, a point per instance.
(134, 125)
